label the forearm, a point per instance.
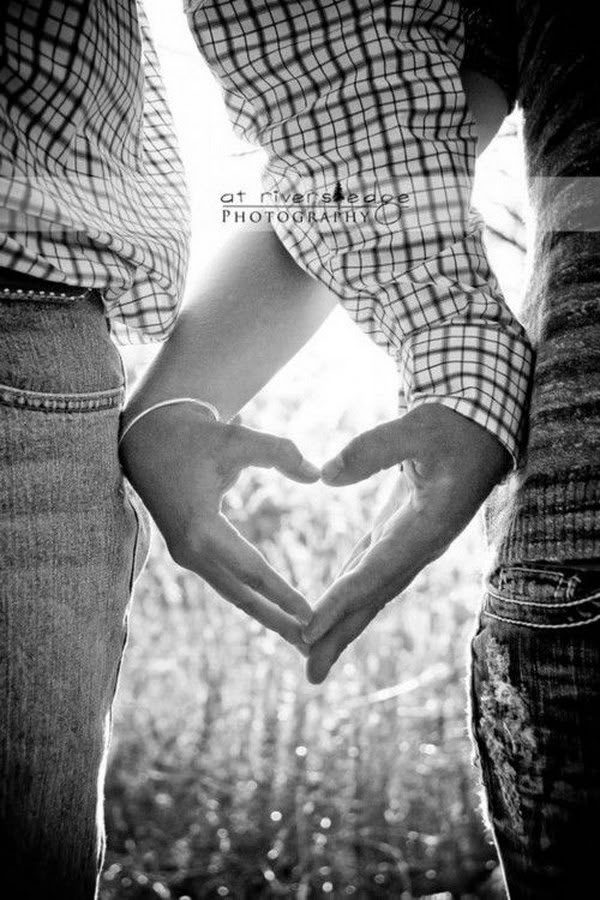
(245, 318)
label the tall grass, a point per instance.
(231, 776)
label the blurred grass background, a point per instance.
(230, 775)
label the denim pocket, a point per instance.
(539, 597)
(58, 356)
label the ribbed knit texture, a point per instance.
(551, 509)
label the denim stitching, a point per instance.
(9, 293)
(48, 402)
(540, 625)
(547, 605)
(547, 573)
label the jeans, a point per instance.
(73, 538)
(535, 716)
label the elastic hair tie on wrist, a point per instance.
(208, 406)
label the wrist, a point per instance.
(136, 413)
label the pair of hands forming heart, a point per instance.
(182, 463)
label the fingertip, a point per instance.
(315, 673)
(302, 649)
(332, 469)
(309, 471)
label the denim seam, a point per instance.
(546, 605)
(39, 294)
(540, 625)
(547, 573)
(51, 402)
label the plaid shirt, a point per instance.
(92, 186)
(370, 160)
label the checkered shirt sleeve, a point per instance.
(360, 109)
(91, 184)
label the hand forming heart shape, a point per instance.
(450, 464)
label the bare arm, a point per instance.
(247, 317)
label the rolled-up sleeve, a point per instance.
(473, 358)
(370, 163)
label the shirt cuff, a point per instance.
(479, 369)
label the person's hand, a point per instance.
(449, 465)
(181, 463)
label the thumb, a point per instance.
(257, 448)
(326, 651)
(380, 448)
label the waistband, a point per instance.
(15, 284)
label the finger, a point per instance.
(382, 573)
(358, 588)
(414, 536)
(327, 651)
(256, 448)
(340, 602)
(249, 566)
(384, 513)
(371, 452)
(251, 603)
